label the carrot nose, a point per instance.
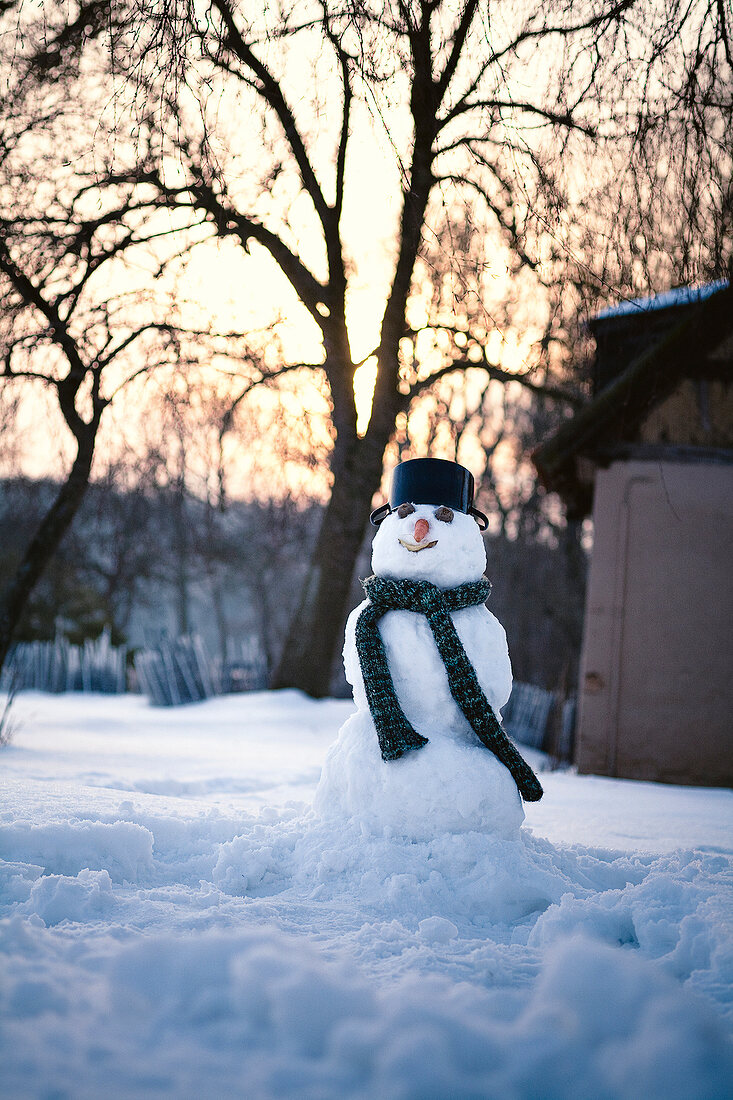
(421, 529)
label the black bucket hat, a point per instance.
(431, 481)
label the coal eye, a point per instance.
(405, 510)
(445, 515)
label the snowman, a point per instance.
(425, 753)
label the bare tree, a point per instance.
(81, 315)
(446, 86)
(435, 75)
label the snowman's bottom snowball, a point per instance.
(448, 786)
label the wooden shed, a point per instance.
(651, 458)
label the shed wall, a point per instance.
(656, 697)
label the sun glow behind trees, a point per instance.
(216, 287)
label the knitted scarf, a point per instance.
(396, 735)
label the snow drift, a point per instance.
(220, 939)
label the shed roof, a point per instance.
(670, 299)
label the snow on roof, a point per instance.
(678, 296)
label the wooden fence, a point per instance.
(180, 670)
(60, 666)
(541, 719)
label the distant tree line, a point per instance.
(131, 566)
(144, 564)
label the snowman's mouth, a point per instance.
(414, 547)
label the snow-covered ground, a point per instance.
(177, 922)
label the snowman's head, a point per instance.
(429, 542)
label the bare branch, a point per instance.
(201, 195)
(264, 378)
(508, 224)
(496, 374)
(35, 376)
(343, 61)
(459, 40)
(32, 294)
(559, 30)
(272, 93)
(562, 119)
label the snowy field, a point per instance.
(178, 922)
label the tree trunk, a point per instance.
(51, 531)
(316, 632)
